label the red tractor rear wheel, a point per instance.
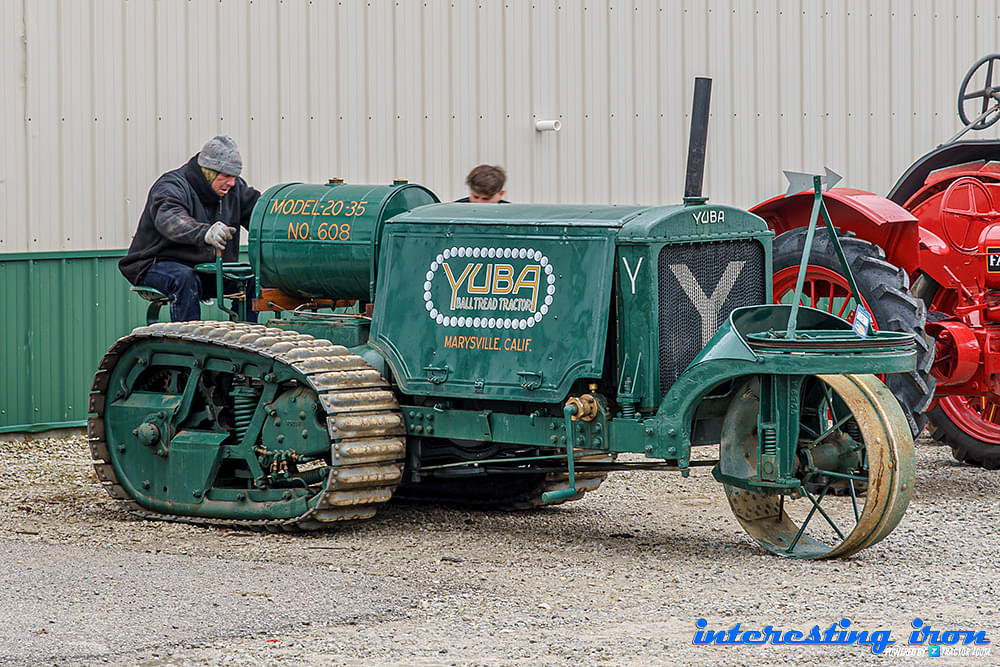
(970, 425)
(884, 291)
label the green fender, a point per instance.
(747, 344)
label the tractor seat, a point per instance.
(156, 298)
(150, 294)
(231, 270)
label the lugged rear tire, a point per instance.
(886, 290)
(964, 447)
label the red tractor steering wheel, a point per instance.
(986, 93)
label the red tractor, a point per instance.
(926, 259)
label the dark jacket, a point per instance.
(180, 208)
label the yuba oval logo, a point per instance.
(489, 287)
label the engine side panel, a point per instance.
(493, 308)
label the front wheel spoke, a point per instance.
(819, 509)
(828, 393)
(854, 503)
(828, 431)
(811, 433)
(842, 475)
(805, 522)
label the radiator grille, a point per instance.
(700, 284)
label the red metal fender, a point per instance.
(871, 217)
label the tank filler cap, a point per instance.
(399, 181)
(336, 180)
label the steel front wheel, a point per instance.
(884, 292)
(853, 437)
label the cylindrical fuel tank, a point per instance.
(322, 241)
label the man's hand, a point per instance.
(218, 235)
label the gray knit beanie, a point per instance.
(221, 154)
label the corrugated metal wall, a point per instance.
(69, 307)
(49, 352)
(97, 98)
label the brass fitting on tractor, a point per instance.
(586, 406)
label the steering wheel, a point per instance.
(981, 119)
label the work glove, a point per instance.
(218, 235)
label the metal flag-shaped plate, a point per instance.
(799, 181)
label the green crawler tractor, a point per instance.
(505, 356)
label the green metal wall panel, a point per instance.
(63, 311)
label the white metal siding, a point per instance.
(98, 98)
(13, 178)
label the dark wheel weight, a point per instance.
(885, 289)
(964, 447)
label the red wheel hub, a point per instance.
(976, 415)
(823, 289)
(957, 354)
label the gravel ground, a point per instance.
(620, 577)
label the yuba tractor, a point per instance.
(504, 356)
(929, 250)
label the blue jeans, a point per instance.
(184, 287)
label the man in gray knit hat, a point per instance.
(191, 212)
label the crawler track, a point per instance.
(363, 419)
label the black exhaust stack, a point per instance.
(698, 141)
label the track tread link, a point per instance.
(366, 428)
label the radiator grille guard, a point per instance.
(700, 284)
